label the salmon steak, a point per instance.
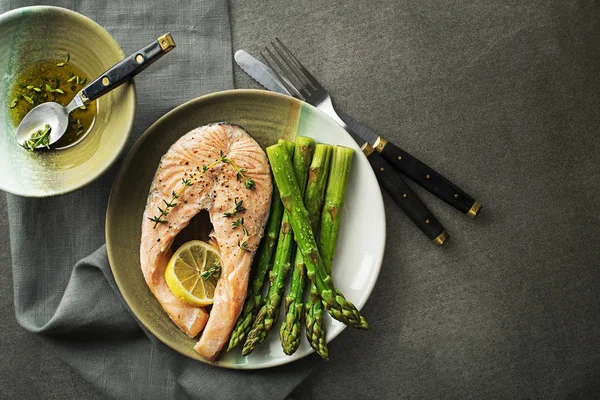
(209, 159)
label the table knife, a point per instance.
(402, 194)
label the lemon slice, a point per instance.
(192, 273)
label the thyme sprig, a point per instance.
(213, 272)
(240, 222)
(243, 245)
(248, 182)
(238, 208)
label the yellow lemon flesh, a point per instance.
(192, 273)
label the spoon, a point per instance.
(57, 116)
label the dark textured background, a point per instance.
(503, 98)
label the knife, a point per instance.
(412, 167)
(402, 194)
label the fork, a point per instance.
(300, 82)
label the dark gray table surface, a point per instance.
(503, 98)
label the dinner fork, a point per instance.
(300, 82)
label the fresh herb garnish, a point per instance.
(238, 208)
(240, 222)
(243, 246)
(212, 272)
(41, 137)
(248, 182)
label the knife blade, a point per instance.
(259, 72)
(412, 167)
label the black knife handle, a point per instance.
(427, 177)
(128, 68)
(404, 196)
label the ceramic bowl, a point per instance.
(32, 34)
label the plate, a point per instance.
(32, 34)
(267, 116)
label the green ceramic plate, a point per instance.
(32, 34)
(267, 116)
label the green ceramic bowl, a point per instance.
(32, 34)
(267, 117)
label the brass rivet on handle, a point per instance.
(367, 149)
(404, 195)
(428, 176)
(382, 169)
(400, 158)
(474, 210)
(456, 196)
(166, 42)
(139, 58)
(441, 239)
(379, 144)
(105, 81)
(426, 221)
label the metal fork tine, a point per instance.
(315, 83)
(275, 59)
(285, 82)
(293, 67)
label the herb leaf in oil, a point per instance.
(40, 137)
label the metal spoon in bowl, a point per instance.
(57, 116)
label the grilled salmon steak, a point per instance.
(224, 167)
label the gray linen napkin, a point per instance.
(63, 285)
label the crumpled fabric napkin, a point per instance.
(63, 284)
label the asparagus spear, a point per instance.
(334, 301)
(330, 224)
(268, 313)
(263, 263)
(294, 301)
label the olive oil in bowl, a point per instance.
(58, 81)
